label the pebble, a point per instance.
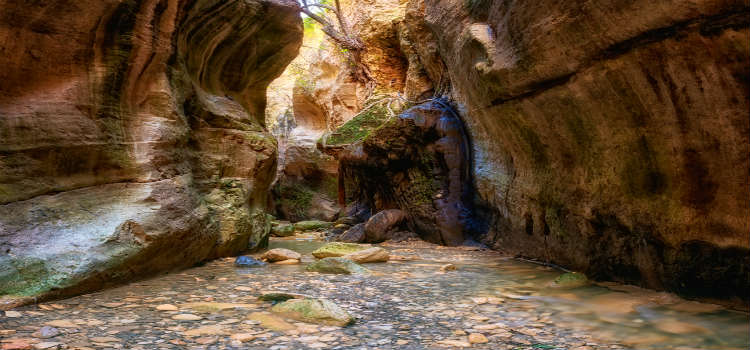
(477, 338)
(186, 317)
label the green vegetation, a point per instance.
(360, 126)
(297, 198)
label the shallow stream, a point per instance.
(403, 305)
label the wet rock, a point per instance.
(279, 229)
(166, 307)
(319, 311)
(348, 220)
(280, 254)
(337, 265)
(369, 255)
(356, 234)
(288, 262)
(477, 338)
(186, 317)
(379, 227)
(570, 280)
(248, 261)
(13, 314)
(48, 345)
(337, 249)
(47, 332)
(312, 225)
(448, 267)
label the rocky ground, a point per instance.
(425, 297)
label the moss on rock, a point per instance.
(337, 249)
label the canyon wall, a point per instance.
(132, 136)
(608, 137)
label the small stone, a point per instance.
(13, 314)
(5, 332)
(46, 332)
(166, 307)
(206, 340)
(186, 317)
(17, 344)
(47, 345)
(248, 261)
(205, 330)
(280, 254)
(402, 342)
(287, 262)
(448, 267)
(105, 339)
(61, 324)
(454, 343)
(242, 337)
(477, 338)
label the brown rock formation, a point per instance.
(608, 137)
(132, 137)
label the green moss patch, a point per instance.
(359, 127)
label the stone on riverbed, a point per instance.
(282, 229)
(570, 280)
(356, 234)
(380, 225)
(247, 261)
(337, 265)
(337, 249)
(320, 311)
(312, 225)
(280, 254)
(369, 255)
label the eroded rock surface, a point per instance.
(132, 137)
(610, 138)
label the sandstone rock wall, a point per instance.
(132, 137)
(610, 137)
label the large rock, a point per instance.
(369, 255)
(337, 265)
(280, 254)
(132, 136)
(356, 234)
(337, 249)
(380, 225)
(612, 139)
(320, 311)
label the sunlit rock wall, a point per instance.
(132, 137)
(610, 137)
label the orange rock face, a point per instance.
(611, 138)
(132, 137)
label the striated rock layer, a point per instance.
(610, 137)
(132, 137)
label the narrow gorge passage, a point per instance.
(375, 174)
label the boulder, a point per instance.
(356, 234)
(369, 255)
(248, 261)
(312, 225)
(337, 249)
(319, 311)
(337, 265)
(379, 226)
(280, 229)
(280, 254)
